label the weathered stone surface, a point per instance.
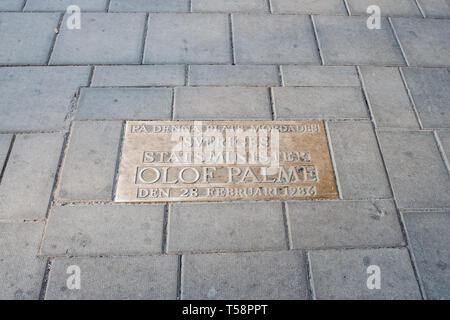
(112, 278)
(424, 41)
(230, 5)
(429, 88)
(320, 76)
(347, 40)
(387, 7)
(21, 272)
(416, 170)
(435, 8)
(150, 5)
(181, 38)
(29, 177)
(257, 39)
(90, 164)
(360, 169)
(61, 5)
(222, 103)
(309, 6)
(343, 274)
(26, 37)
(138, 76)
(263, 275)
(102, 39)
(239, 75)
(429, 238)
(125, 103)
(39, 98)
(11, 5)
(104, 229)
(319, 103)
(328, 224)
(388, 98)
(5, 142)
(226, 226)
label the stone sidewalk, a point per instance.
(384, 95)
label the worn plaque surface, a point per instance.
(163, 161)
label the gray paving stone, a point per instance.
(444, 138)
(112, 278)
(319, 102)
(262, 275)
(429, 88)
(104, 38)
(21, 272)
(388, 98)
(239, 75)
(90, 164)
(138, 76)
(328, 224)
(125, 103)
(11, 5)
(320, 76)
(30, 176)
(61, 5)
(309, 6)
(5, 142)
(343, 274)
(181, 38)
(274, 39)
(26, 37)
(104, 229)
(150, 5)
(435, 8)
(424, 41)
(230, 6)
(416, 170)
(429, 238)
(387, 7)
(347, 40)
(38, 98)
(359, 165)
(226, 226)
(222, 103)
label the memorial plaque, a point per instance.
(164, 161)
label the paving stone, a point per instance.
(125, 103)
(222, 103)
(26, 37)
(416, 170)
(5, 142)
(319, 102)
(21, 272)
(11, 5)
(262, 275)
(90, 164)
(138, 76)
(230, 5)
(104, 38)
(226, 226)
(150, 5)
(113, 278)
(38, 98)
(347, 40)
(388, 98)
(444, 138)
(210, 75)
(320, 76)
(429, 88)
(359, 165)
(343, 274)
(328, 224)
(387, 7)
(424, 41)
(30, 174)
(61, 5)
(429, 238)
(181, 38)
(274, 39)
(435, 8)
(104, 229)
(309, 6)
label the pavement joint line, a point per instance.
(8, 154)
(310, 282)
(91, 76)
(273, 110)
(269, 6)
(108, 6)
(180, 278)
(24, 5)
(232, 45)
(219, 64)
(398, 41)
(190, 6)
(55, 37)
(172, 109)
(419, 6)
(366, 96)
(287, 225)
(26, 220)
(280, 76)
(187, 75)
(333, 161)
(144, 37)
(316, 37)
(118, 161)
(347, 8)
(441, 151)
(411, 98)
(165, 233)
(44, 285)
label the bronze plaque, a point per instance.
(164, 161)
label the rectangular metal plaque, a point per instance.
(164, 161)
